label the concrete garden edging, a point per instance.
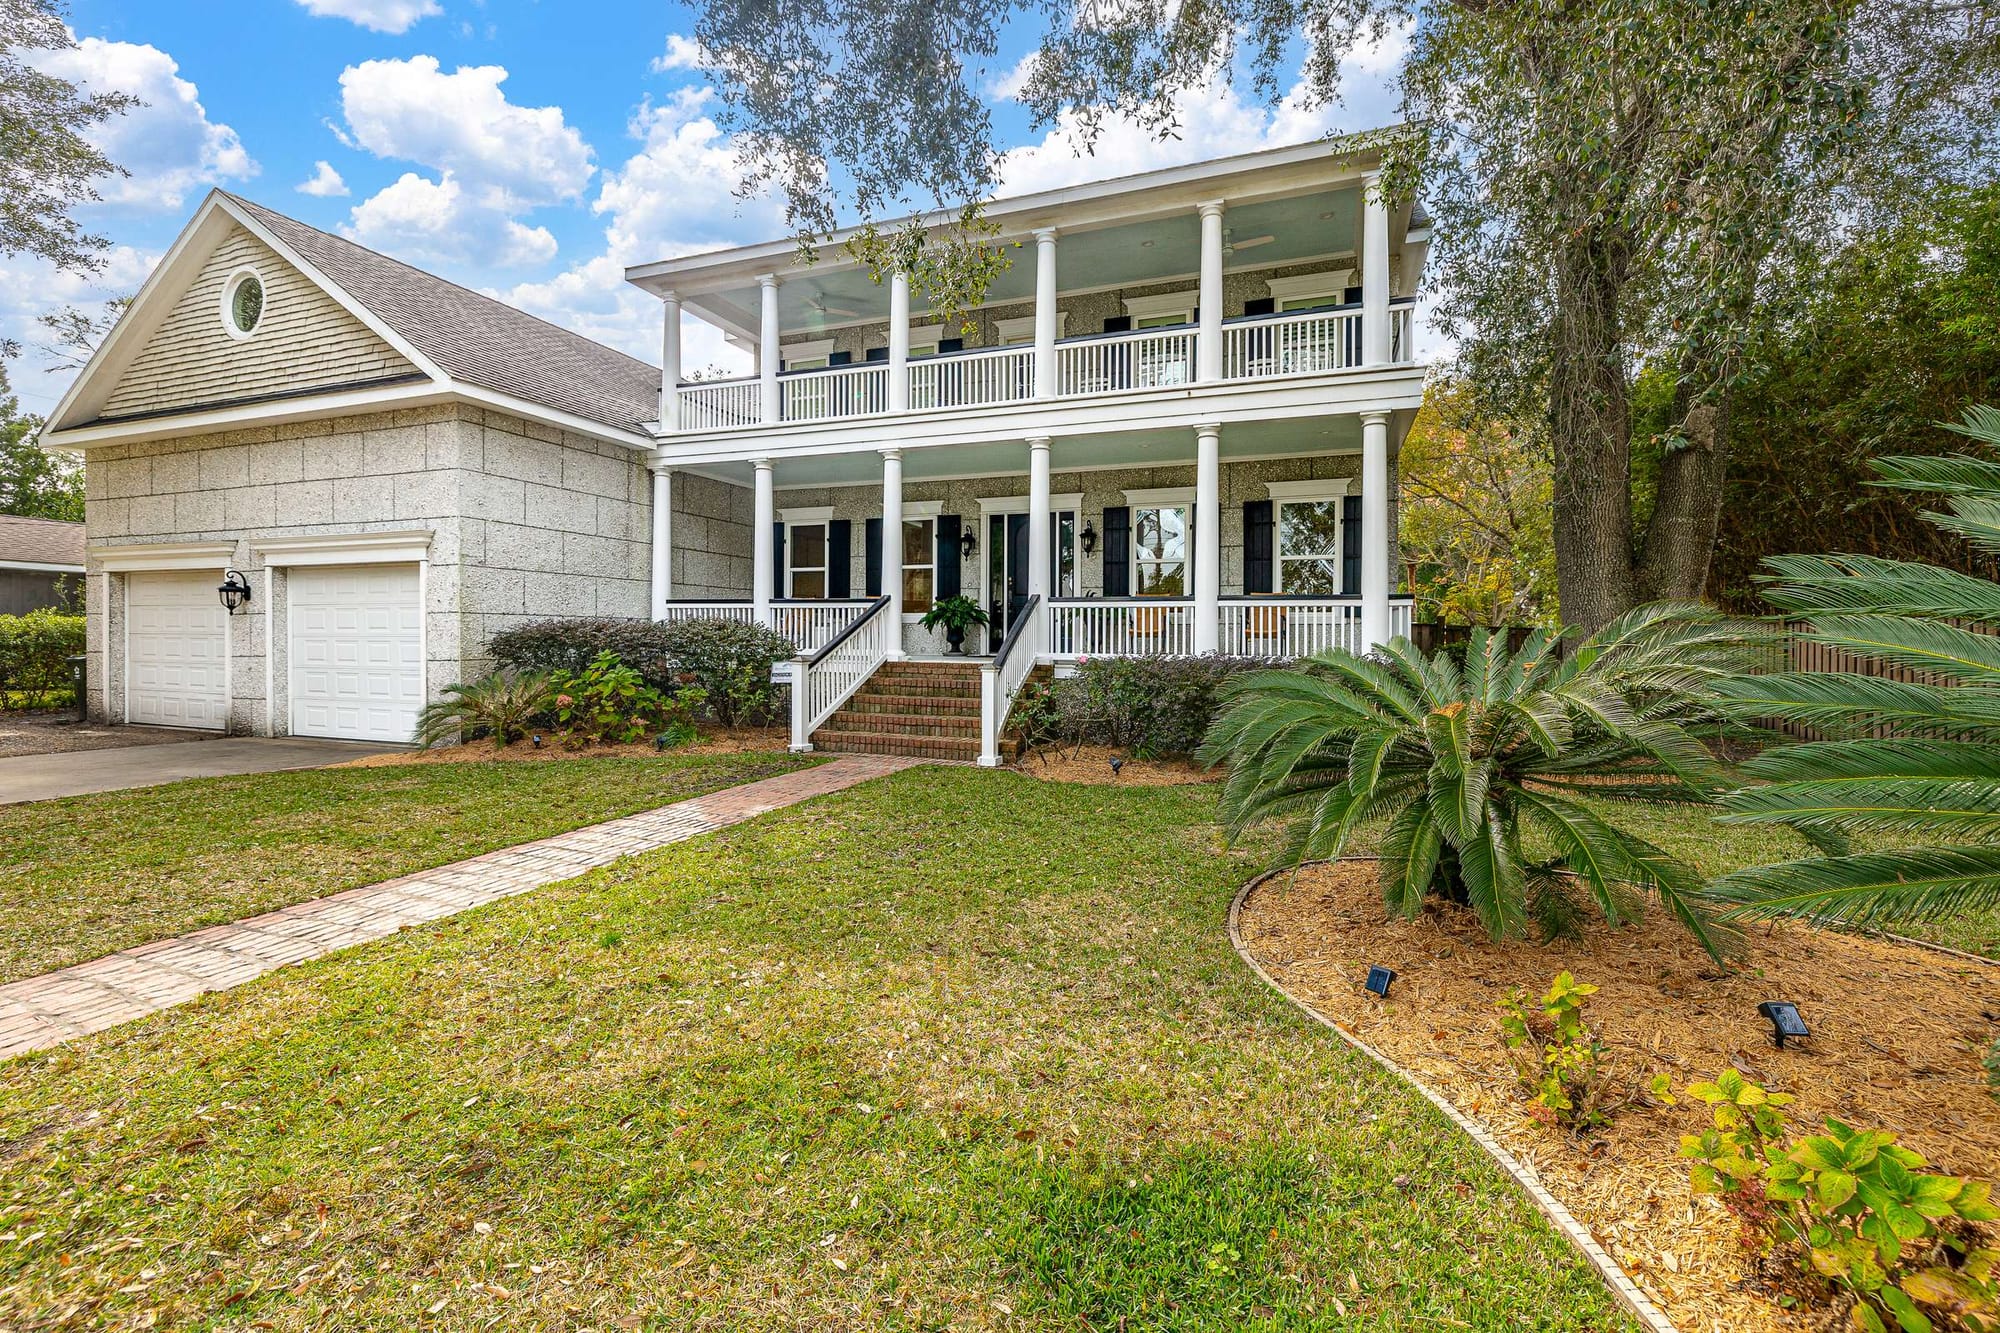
(1635, 1301)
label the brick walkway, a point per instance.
(45, 1011)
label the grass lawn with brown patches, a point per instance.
(954, 1049)
(90, 875)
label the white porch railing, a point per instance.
(1152, 360)
(808, 624)
(825, 679)
(1248, 626)
(1000, 679)
(1288, 626)
(1309, 342)
(973, 379)
(721, 404)
(1121, 627)
(845, 391)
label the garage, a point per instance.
(356, 651)
(177, 668)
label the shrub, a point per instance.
(503, 705)
(1564, 1070)
(1459, 762)
(606, 701)
(34, 654)
(573, 644)
(731, 661)
(1147, 706)
(1854, 1206)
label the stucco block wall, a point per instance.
(304, 339)
(504, 548)
(713, 526)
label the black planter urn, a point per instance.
(955, 636)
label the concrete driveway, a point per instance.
(42, 777)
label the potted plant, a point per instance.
(957, 615)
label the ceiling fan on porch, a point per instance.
(1230, 245)
(820, 308)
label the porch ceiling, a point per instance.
(835, 293)
(1126, 449)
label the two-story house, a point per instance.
(319, 480)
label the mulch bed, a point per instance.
(1898, 1035)
(714, 740)
(1091, 764)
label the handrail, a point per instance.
(874, 609)
(1021, 619)
(1002, 676)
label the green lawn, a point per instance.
(955, 1049)
(87, 876)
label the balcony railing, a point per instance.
(1255, 347)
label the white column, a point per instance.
(892, 545)
(767, 344)
(899, 341)
(1374, 275)
(1374, 528)
(1208, 354)
(763, 564)
(1045, 313)
(1038, 523)
(670, 363)
(663, 541)
(1207, 537)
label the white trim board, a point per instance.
(162, 556)
(1324, 488)
(1155, 497)
(805, 515)
(356, 548)
(31, 567)
(1018, 504)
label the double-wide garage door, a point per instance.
(176, 671)
(356, 651)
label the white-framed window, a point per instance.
(1309, 541)
(806, 355)
(1021, 331)
(1162, 541)
(242, 303)
(1162, 311)
(1311, 291)
(806, 551)
(924, 339)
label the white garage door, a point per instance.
(357, 649)
(174, 672)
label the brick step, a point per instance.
(913, 747)
(904, 724)
(911, 704)
(946, 677)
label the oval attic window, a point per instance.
(246, 304)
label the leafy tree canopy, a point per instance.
(34, 483)
(46, 164)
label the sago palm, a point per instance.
(502, 705)
(1465, 764)
(1901, 761)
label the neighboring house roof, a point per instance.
(40, 543)
(477, 339)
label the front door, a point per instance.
(1007, 569)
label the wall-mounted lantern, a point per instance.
(1089, 538)
(235, 591)
(968, 542)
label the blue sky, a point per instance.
(528, 149)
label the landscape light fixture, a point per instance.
(1784, 1019)
(1117, 765)
(660, 742)
(1089, 537)
(1379, 980)
(536, 740)
(235, 591)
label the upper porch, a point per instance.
(1232, 287)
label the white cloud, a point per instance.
(325, 184)
(30, 288)
(672, 197)
(494, 162)
(391, 16)
(681, 53)
(169, 145)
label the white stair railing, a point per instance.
(825, 679)
(1000, 679)
(972, 379)
(721, 404)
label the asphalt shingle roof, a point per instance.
(476, 339)
(40, 541)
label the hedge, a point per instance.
(34, 654)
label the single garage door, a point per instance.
(173, 650)
(357, 649)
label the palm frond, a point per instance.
(1814, 585)
(1943, 808)
(1919, 883)
(1921, 645)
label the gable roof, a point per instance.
(476, 339)
(465, 346)
(40, 541)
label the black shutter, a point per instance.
(1258, 569)
(951, 344)
(874, 572)
(1117, 323)
(1117, 551)
(839, 558)
(878, 354)
(839, 359)
(778, 561)
(1350, 546)
(949, 526)
(1260, 305)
